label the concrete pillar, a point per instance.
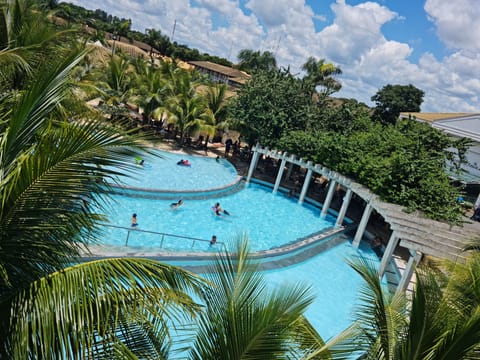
(306, 183)
(343, 209)
(290, 167)
(328, 199)
(407, 274)
(362, 226)
(387, 255)
(280, 172)
(253, 163)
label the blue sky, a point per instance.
(432, 44)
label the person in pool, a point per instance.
(176, 205)
(184, 162)
(214, 240)
(218, 210)
(134, 220)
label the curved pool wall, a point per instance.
(165, 194)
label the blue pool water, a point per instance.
(335, 284)
(164, 173)
(270, 220)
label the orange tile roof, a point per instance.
(431, 117)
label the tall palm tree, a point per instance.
(185, 106)
(217, 104)
(189, 114)
(151, 90)
(113, 83)
(320, 73)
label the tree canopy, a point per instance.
(272, 104)
(391, 100)
(251, 61)
(403, 163)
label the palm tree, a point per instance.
(27, 38)
(439, 322)
(218, 106)
(113, 83)
(322, 74)
(151, 89)
(51, 176)
(189, 114)
(243, 318)
(185, 106)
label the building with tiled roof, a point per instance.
(220, 73)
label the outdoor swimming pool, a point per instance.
(270, 220)
(164, 173)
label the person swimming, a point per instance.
(184, 162)
(134, 220)
(218, 210)
(176, 205)
(214, 240)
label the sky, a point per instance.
(431, 44)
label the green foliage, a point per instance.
(270, 105)
(246, 320)
(55, 158)
(391, 100)
(441, 321)
(321, 74)
(403, 164)
(253, 61)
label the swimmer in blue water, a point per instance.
(176, 205)
(218, 210)
(184, 163)
(214, 240)
(134, 221)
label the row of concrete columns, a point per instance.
(361, 228)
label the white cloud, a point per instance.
(457, 22)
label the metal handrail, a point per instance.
(129, 229)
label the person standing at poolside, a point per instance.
(228, 145)
(134, 220)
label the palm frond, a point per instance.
(94, 306)
(244, 319)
